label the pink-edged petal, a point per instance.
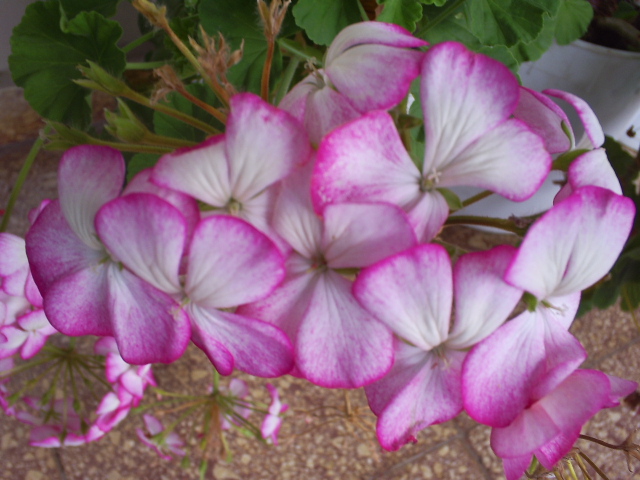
(593, 168)
(32, 293)
(14, 266)
(483, 301)
(133, 383)
(545, 118)
(256, 347)
(552, 452)
(147, 235)
(286, 306)
(365, 161)
(529, 431)
(88, 177)
(325, 110)
(78, 304)
(425, 389)
(152, 424)
(377, 33)
(295, 102)
(428, 214)
(619, 388)
(339, 344)
(148, 325)
(231, 263)
(574, 244)
(361, 74)
(263, 145)
(187, 205)
(520, 362)
(11, 340)
(562, 411)
(54, 250)
(411, 293)
(464, 95)
(201, 172)
(514, 468)
(592, 126)
(353, 237)
(294, 218)
(39, 329)
(496, 162)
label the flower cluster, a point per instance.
(305, 240)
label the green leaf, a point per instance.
(139, 162)
(401, 12)
(44, 59)
(533, 50)
(452, 199)
(507, 22)
(573, 20)
(172, 127)
(323, 20)
(106, 8)
(239, 20)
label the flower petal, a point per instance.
(88, 177)
(263, 145)
(592, 126)
(147, 234)
(339, 344)
(361, 74)
(427, 392)
(411, 293)
(574, 244)
(231, 263)
(464, 95)
(353, 237)
(364, 161)
(148, 325)
(483, 301)
(54, 250)
(519, 363)
(256, 347)
(201, 172)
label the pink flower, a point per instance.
(273, 421)
(238, 390)
(155, 438)
(471, 140)
(355, 78)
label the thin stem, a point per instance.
(477, 198)
(594, 466)
(139, 41)
(600, 442)
(627, 300)
(573, 472)
(204, 106)
(144, 65)
(446, 12)
(266, 70)
(22, 176)
(583, 467)
(500, 223)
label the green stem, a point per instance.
(446, 12)
(139, 41)
(287, 78)
(22, 176)
(594, 466)
(306, 53)
(476, 198)
(500, 223)
(144, 65)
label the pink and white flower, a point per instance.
(355, 78)
(273, 421)
(155, 438)
(471, 140)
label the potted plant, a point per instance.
(272, 197)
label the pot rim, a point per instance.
(599, 49)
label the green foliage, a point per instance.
(573, 20)
(402, 12)
(106, 8)
(322, 20)
(139, 162)
(171, 127)
(45, 59)
(238, 21)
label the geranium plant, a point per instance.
(277, 194)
